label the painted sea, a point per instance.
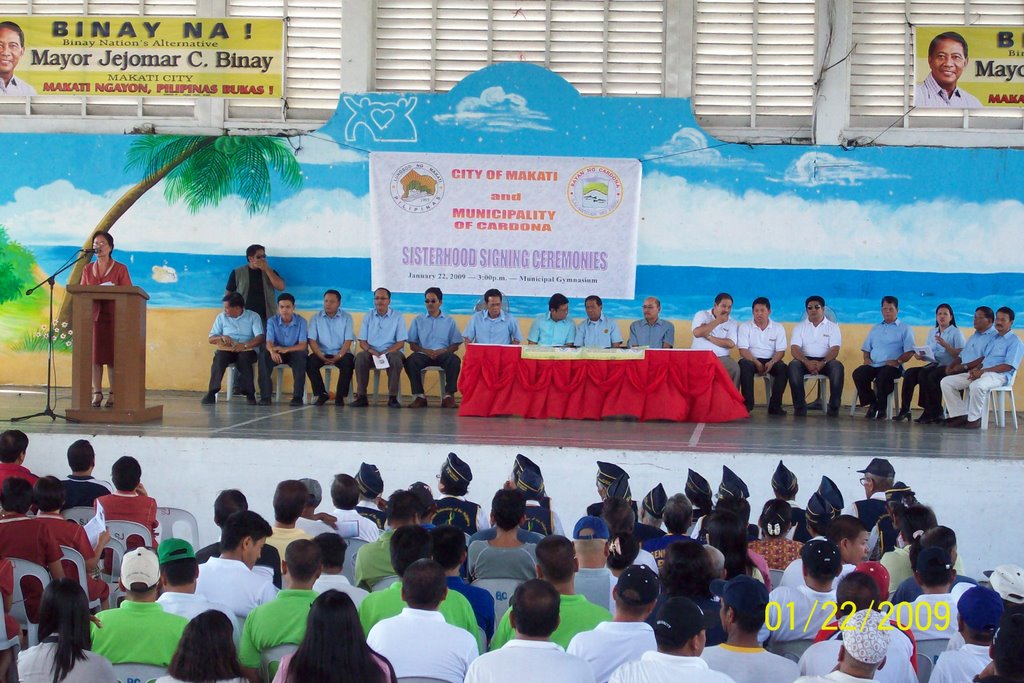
(197, 281)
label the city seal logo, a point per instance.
(595, 191)
(417, 187)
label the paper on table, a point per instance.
(381, 362)
(925, 351)
(95, 526)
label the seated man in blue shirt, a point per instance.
(331, 336)
(286, 345)
(382, 333)
(652, 331)
(1002, 357)
(556, 328)
(890, 343)
(449, 551)
(598, 331)
(493, 325)
(236, 333)
(434, 338)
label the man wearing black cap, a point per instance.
(741, 657)
(540, 518)
(1007, 651)
(607, 474)
(821, 512)
(884, 535)
(626, 637)
(679, 632)
(786, 486)
(652, 509)
(878, 478)
(978, 613)
(371, 485)
(698, 490)
(453, 509)
(821, 565)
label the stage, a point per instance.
(196, 451)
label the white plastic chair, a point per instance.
(74, 557)
(24, 569)
(349, 569)
(822, 382)
(776, 577)
(376, 384)
(270, 660)
(231, 373)
(79, 514)
(441, 378)
(924, 668)
(1000, 412)
(116, 551)
(125, 531)
(133, 672)
(169, 518)
(501, 590)
(932, 648)
(892, 404)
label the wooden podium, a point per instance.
(129, 355)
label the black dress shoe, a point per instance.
(393, 402)
(833, 412)
(264, 401)
(296, 401)
(250, 399)
(777, 412)
(880, 414)
(322, 399)
(871, 414)
(209, 398)
(902, 415)
(799, 412)
(360, 402)
(925, 419)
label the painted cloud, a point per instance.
(689, 147)
(495, 111)
(818, 168)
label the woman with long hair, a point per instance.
(945, 341)
(104, 271)
(774, 546)
(206, 653)
(728, 533)
(687, 572)
(64, 641)
(334, 649)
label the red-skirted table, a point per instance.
(666, 384)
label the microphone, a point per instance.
(88, 251)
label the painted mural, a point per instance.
(927, 225)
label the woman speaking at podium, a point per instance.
(104, 271)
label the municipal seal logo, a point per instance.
(417, 187)
(595, 191)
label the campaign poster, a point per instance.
(968, 67)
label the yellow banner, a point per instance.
(968, 67)
(563, 353)
(142, 56)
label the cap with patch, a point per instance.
(820, 512)
(678, 620)
(371, 485)
(316, 494)
(529, 480)
(732, 486)
(1008, 642)
(638, 585)
(174, 549)
(743, 593)
(900, 493)
(591, 528)
(980, 608)
(1008, 581)
(880, 467)
(698, 490)
(140, 570)
(608, 472)
(784, 481)
(654, 501)
(878, 573)
(830, 492)
(620, 488)
(863, 637)
(455, 470)
(821, 557)
(523, 463)
(933, 558)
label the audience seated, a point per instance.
(627, 636)
(652, 508)
(1007, 651)
(934, 572)
(913, 523)
(27, 538)
(819, 519)
(13, 450)
(334, 650)
(534, 616)
(863, 651)
(556, 564)
(775, 546)
(129, 501)
(282, 620)
(289, 502)
(63, 652)
(504, 556)
(727, 532)
(687, 572)
(594, 580)
(206, 652)
(620, 517)
(179, 572)
(541, 518)
(453, 508)
(677, 514)
(226, 504)
(785, 487)
(978, 613)
(373, 561)
(81, 489)
(332, 556)
(940, 536)
(345, 497)
(230, 578)
(371, 486)
(622, 552)
(139, 631)
(449, 551)
(821, 566)
(451, 650)
(312, 522)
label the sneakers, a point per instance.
(209, 398)
(448, 402)
(296, 401)
(418, 402)
(360, 402)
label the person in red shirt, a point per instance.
(10, 623)
(13, 449)
(129, 501)
(48, 496)
(27, 538)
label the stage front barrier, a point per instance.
(583, 384)
(129, 355)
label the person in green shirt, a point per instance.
(409, 544)
(139, 631)
(373, 561)
(282, 620)
(557, 564)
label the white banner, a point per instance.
(530, 226)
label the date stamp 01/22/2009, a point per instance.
(905, 616)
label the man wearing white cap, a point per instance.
(138, 631)
(863, 650)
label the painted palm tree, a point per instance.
(201, 172)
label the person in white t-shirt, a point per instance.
(679, 632)
(865, 643)
(345, 498)
(531, 655)
(715, 331)
(815, 345)
(804, 609)
(978, 613)
(178, 573)
(627, 637)
(936, 576)
(230, 578)
(332, 552)
(741, 657)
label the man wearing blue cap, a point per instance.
(453, 508)
(594, 580)
(741, 656)
(371, 485)
(978, 613)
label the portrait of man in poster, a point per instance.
(947, 57)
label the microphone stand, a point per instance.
(50, 389)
